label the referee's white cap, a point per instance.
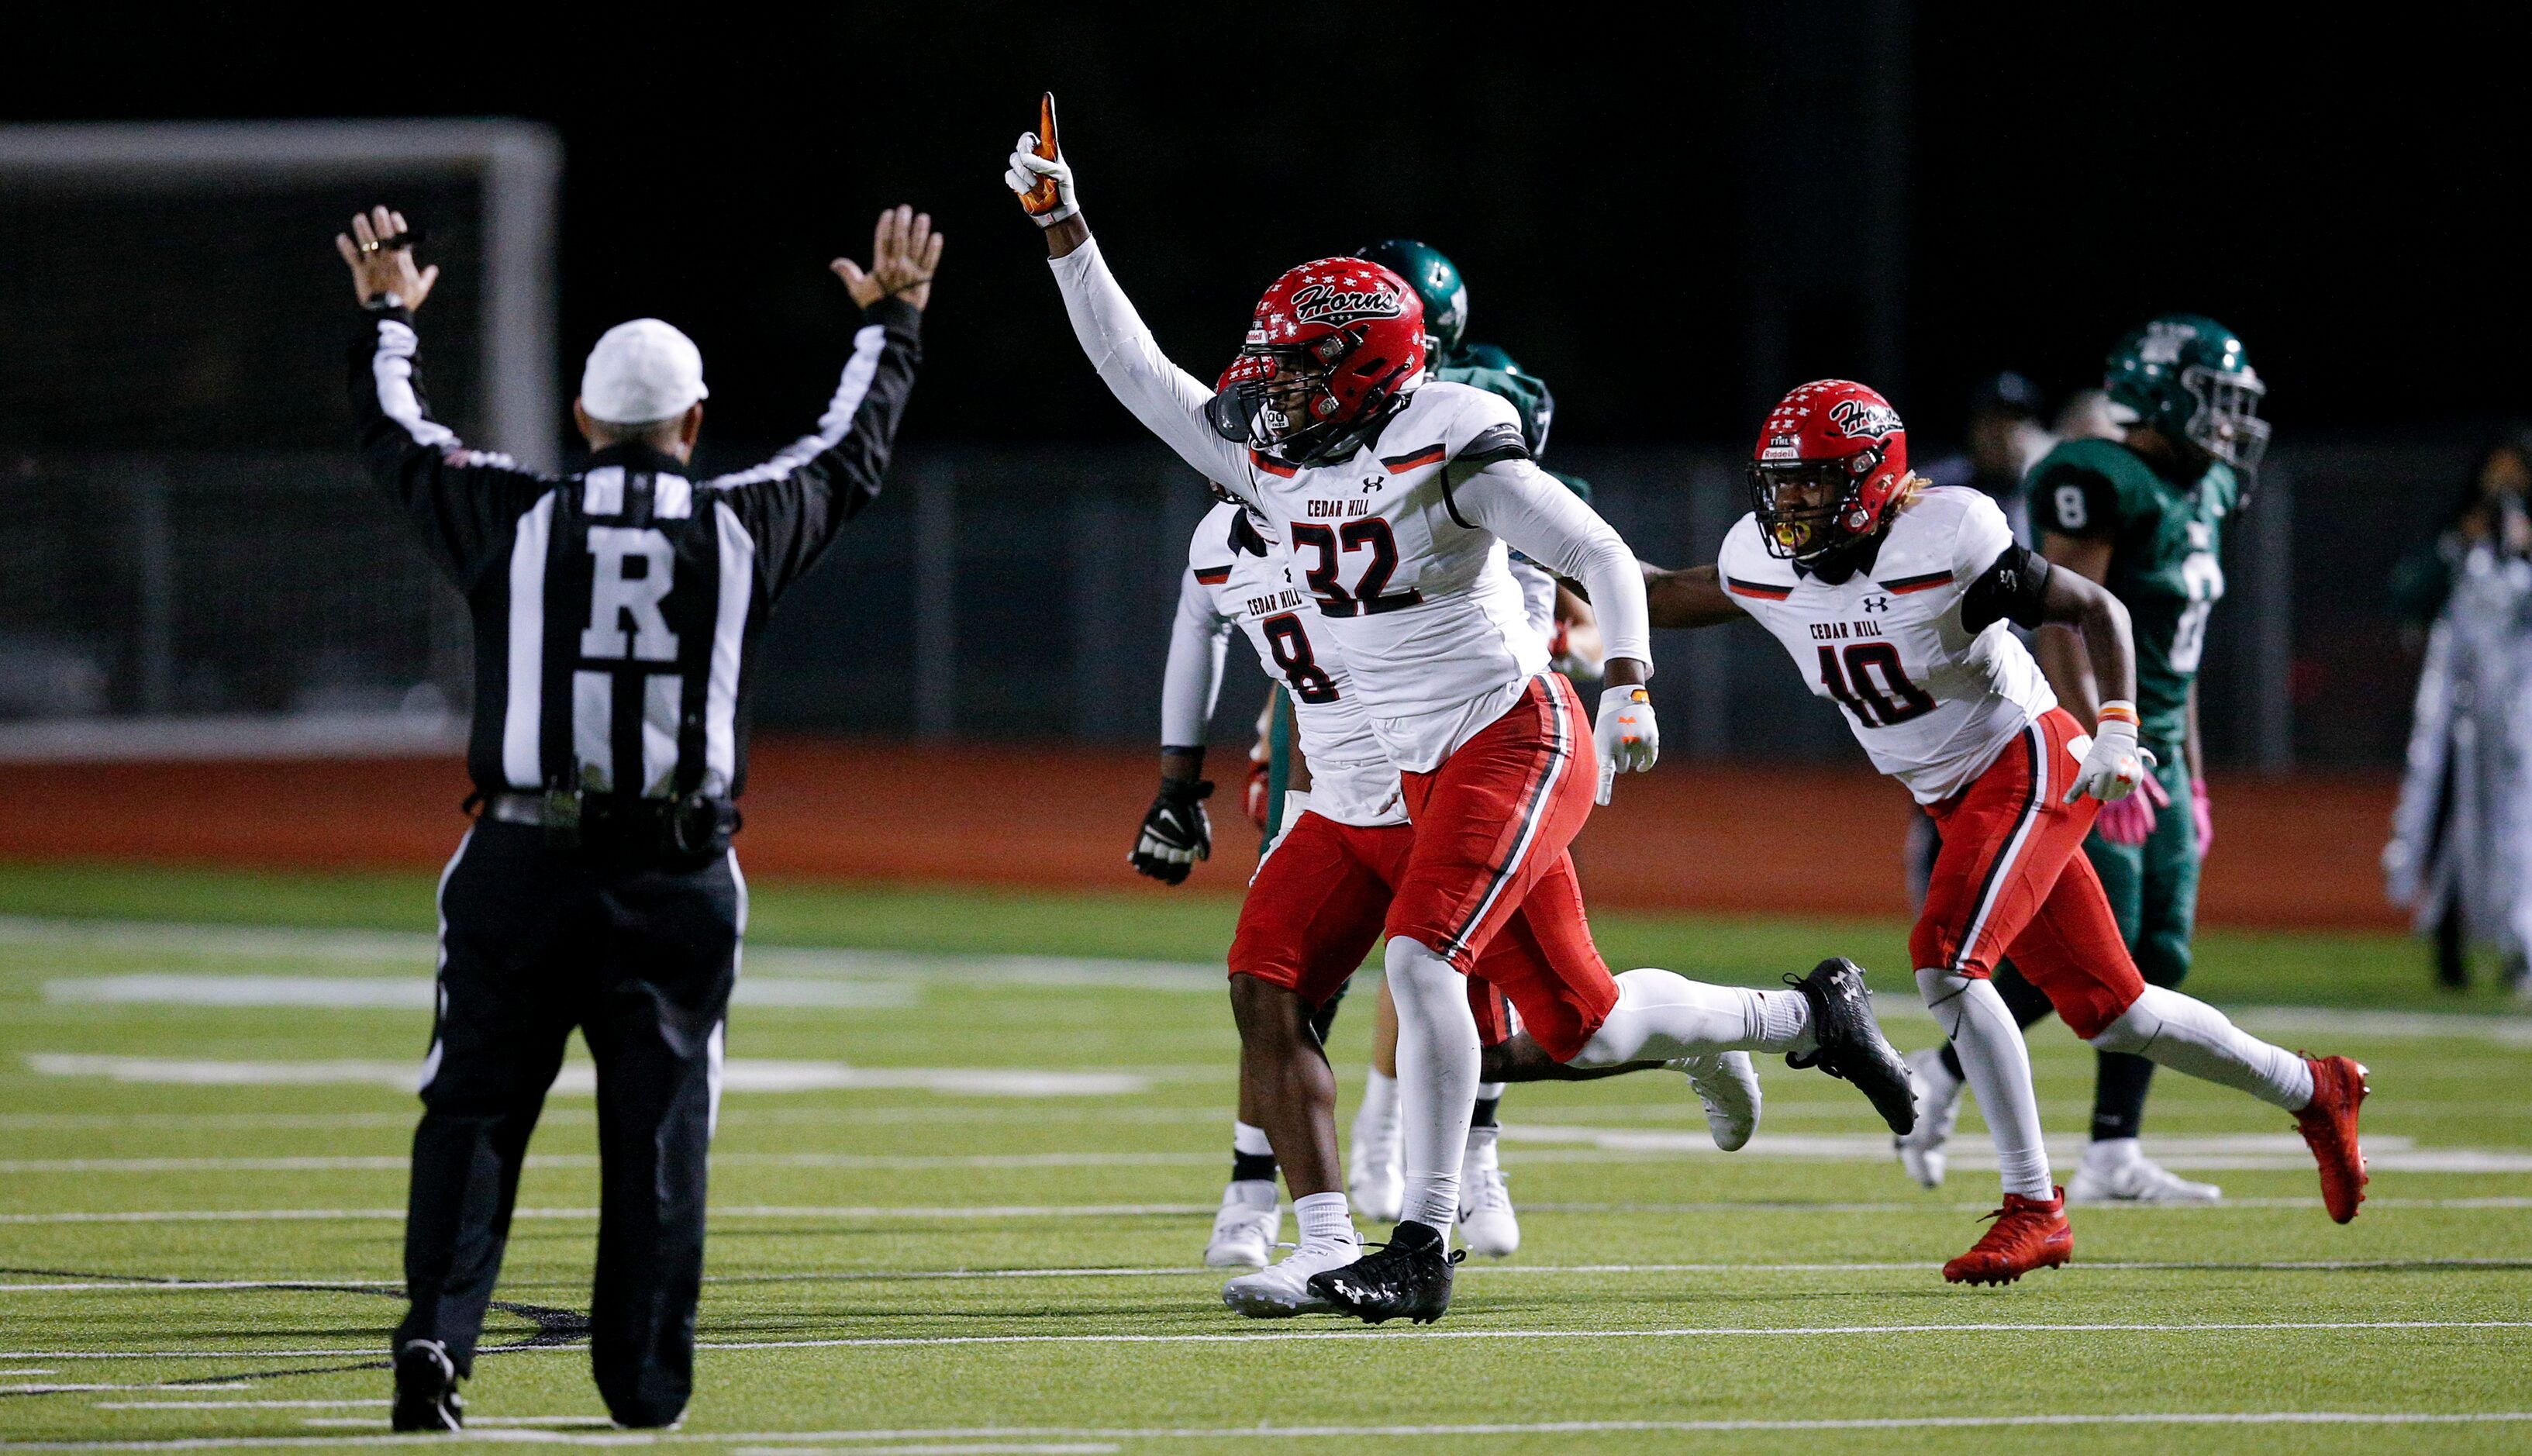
(640, 372)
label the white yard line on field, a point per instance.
(322, 1285)
(792, 1443)
(1562, 1143)
(235, 1405)
(1283, 1336)
(414, 993)
(263, 945)
(580, 1078)
(144, 1385)
(398, 1163)
(1771, 1208)
(292, 1215)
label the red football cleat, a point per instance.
(2027, 1235)
(2328, 1123)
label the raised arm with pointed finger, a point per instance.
(1167, 399)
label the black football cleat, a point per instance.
(1851, 1045)
(1409, 1277)
(426, 1389)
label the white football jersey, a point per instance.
(1352, 780)
(1932, 702)
(1423, 602)
(1417, 596)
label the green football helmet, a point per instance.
(1436, 280)
(2188, 377)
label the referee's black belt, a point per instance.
(621, 825)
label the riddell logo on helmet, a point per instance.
(1322, 303)
(1859, 419)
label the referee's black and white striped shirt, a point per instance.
(617, 609)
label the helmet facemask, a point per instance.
(1281, 398)
(1803, 506)
(2225, 422)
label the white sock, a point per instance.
(2111, 1153)
(1437, 1078)
(1481, 1148)
(1375, 1122)
(1251, 1141)
(1998, 1070)
(2186, 1034)
(1661, 1015)
(1324, 1219)
(1490, 1092)
(1257, 1193)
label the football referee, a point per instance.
(616, 614)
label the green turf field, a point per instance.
(961, 1205)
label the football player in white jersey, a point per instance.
(1892, 596)
(1313, 910)
(1397, 498)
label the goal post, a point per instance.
(197, 557)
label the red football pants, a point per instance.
(1492, 825)
(2012, 880)
(1317, 907)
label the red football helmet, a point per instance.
(1829, 460)
(1332, 345)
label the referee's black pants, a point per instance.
(537, 941)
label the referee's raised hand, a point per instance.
(904, 253)
(379, 251)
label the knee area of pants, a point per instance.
(1923, 948)
(1408, 963)
(2131, 1030)
(1941, 983)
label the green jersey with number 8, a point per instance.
(2165, 539)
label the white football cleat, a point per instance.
(1728, 1084)
(1938, 1112)
(1375, 1181)
(1284, 1290)
(1243, 1232)
(1488, 1226)
(2115, 1170)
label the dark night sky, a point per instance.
(1614, 189)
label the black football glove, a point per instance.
(1177, 832)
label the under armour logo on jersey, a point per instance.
(1876, 603)
(1371, 483)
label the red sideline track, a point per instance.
(2297, 851)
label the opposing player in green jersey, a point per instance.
(2143, 515)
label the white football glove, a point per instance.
(1628, 737)
(2116, 765)
(1027, 170)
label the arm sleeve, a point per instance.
(1193, 681)
(1536, 516)
(2074, 501)
(794, 504)
(462, 503)
(1168, 400)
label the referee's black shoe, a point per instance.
(426, 1389)
(1850, 1041)
(1409, 1277)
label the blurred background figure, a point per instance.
(2086, 415)
(2457, 855)
(2002, 440)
